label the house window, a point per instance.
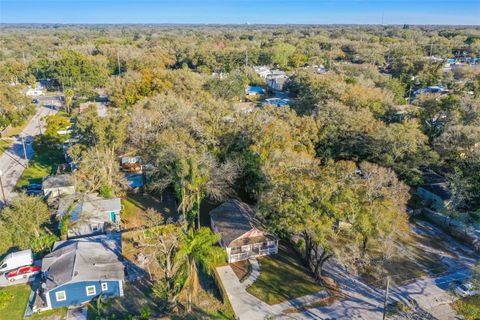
(94, 228)
(91, 291)
(246, 248)
(104, 286)
(270, 243)
(60, 296)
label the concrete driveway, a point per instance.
(12, 162)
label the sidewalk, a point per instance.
(249, 307)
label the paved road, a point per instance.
(12, 162)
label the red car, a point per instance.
(22, 273)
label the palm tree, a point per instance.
(198, 250)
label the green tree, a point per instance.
(24, 224)
(198, 250)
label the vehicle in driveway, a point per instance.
(34, 186)
(22, 273)
(15, 260)
(35, 101)
(467, 290)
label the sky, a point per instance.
(453, 12)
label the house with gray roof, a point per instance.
(78, 271)
(434, 191)
(89, 214)
(241, 238)
(59, 185)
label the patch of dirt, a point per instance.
(242, 269)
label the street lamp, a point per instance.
(1, 187)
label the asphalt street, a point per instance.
(12, 162)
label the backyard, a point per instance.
(136, 204)
(283, 277)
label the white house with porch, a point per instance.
(242, 240)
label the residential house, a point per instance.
(59, 185)
(434, 191)
(277, 79)
(131, 164)
(262, 71)
(89, 214)
(254, 91)
(34, 92)
(234, 221)
(78, 271)
(277, 102)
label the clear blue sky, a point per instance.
(241, 11)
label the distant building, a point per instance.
(431, 89)
(78, 271)
(434, 191)
(262, 71)
(59, 185)
(277, 102)
(89, 214)
(34, 92)
(254, 91)
(233, 220)
(277, 79)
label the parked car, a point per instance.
(22, 273)
(16, 260)
(35, 101)
(34, 186)
(467, 290)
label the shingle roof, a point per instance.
(232, 219)
(89, 205)
(85, 259)
(59, 181)
(440, 189)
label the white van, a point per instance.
(16, 260)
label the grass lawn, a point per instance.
(42, 165)
(4, 145)
(13, 301)
(18, 129)
(55, 314)
(283, 277)
(469, 307)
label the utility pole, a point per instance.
(431, 49)
(246, 58)
(118, 63)
(24, 151)
(24, 60)
(385, 302)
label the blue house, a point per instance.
(78, 271)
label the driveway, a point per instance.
(12, 162)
